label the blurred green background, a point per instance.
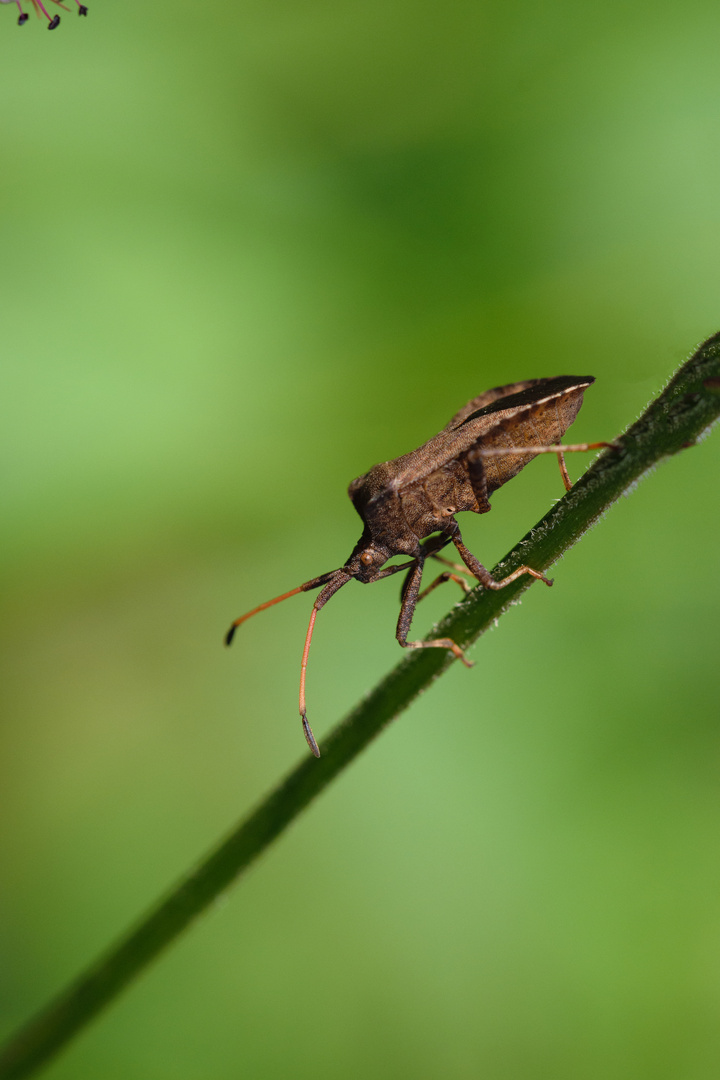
(247, 252)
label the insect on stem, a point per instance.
(408, 505)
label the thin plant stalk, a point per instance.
(674, 421)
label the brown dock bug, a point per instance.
(415, 498)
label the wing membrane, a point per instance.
(537, 415)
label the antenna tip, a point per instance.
(309, 735)
(230, 634)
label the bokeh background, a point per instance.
(248, 251)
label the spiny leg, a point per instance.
(447, 575)
(476, 474)
(431, 547)
(556, 448)
(459, 568)
(410, 596)
(483, 574)
(563, 471)
(560, 450)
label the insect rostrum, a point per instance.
(408, 505)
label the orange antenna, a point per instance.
(332, 581)
(314, 584)
(303, 668)
(408, 505)
(337, 580)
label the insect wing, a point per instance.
(536, 416)
(488, 398)
(562, 392)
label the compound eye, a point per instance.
(367, 558)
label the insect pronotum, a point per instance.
(408, 505)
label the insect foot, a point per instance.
(518, 573)
(441, 643)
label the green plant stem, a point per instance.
(674, 421)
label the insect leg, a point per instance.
(557, 448)
(431, 547)
(483, 574)
(563, 471)
(428, 547)
(459, 568)
(478, 479)
(447, 575)
(560, 450)
(410, 596)
(456, 566)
